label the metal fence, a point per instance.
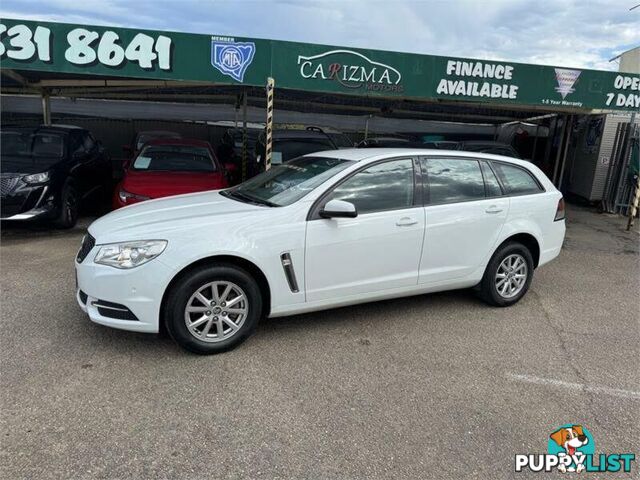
(619, 183)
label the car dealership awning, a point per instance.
(98, 62)
(111, 60)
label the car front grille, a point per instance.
(8, 183)
(88, 242)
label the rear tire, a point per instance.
(205, 322)
(68, 208)
(508, 275)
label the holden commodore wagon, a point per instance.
(324, 230)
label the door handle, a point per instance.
(493, 209)
(406, 222)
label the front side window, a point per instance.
(516, 180)
(385, 186)
(287, 183)
(174, 158)
(453, 180)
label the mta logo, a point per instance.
(232, 58)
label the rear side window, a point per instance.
(490, 181)
(453, 180)
(516, 180)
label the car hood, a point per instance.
(26, 165)
(158, 219)
(163, 184)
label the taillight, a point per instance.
(560, 210)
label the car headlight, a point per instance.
(129, 254)
(126, 196)
(36, 178)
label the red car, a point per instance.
(168, 167)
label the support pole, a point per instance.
(559, 152)
(633, 208)
(245, 136)
(46, 108)
(634, 205)
(269, 126)
(565, 151)
(366, 127)
(553, 126)
(236, 108)
(535, 144)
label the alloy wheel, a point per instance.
(511, 275)
(216, 311)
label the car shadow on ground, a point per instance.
(374, 314)
(19, 230)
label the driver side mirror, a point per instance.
(339, 209)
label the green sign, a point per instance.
(122, 52)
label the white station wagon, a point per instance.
(321, 231)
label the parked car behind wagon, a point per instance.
(48, 172)
(168, 167)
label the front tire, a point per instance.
(68, 208)
(213, 309)
(508, 275)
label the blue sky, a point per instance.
(572, 33)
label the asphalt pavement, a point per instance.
(436, 386)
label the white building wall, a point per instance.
(630, 61)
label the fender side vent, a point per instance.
(287, 265)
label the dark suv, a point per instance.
(289, 144)
(47, 171)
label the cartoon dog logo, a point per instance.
(571, 438)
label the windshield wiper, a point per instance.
(249, 198)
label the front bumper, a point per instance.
(28, 203)
(139, 290)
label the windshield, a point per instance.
(289, 182)
(174, 158)
(29, 144)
